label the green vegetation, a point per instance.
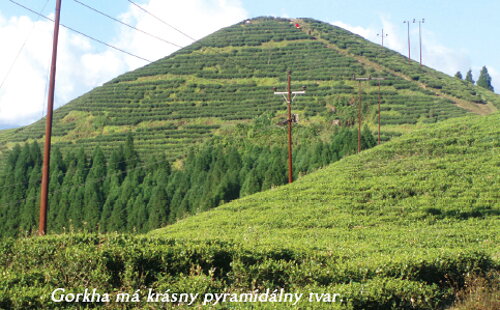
(126, 193)
(401, 226)
(469, 78)
(227, 78)
(484, 80)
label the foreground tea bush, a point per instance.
(399, 226)
(32, 269)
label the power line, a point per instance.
(21, 49)
(162, 21)
(82, 34)
(125, 24)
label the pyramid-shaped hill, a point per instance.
(227, 78)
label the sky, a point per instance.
(457, 35)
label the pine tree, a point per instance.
(276, 173)
(138, 217)
(158, 208)
(28, 219)
(117, 166)
(94, 192)
(469, 78)
(484, 80)
(118, 218)
(107, 209)
(458, 75)
(129, 153)
(367, 138)
(251, 185)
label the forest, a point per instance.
(127, 192)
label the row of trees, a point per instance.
(484, 80)
(125, 192)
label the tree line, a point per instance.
(484, 80)
(129, 192)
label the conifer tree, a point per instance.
(458, 75)
(484, 80)
(28, 212)
(251, 185)
(138, 217)
(469, 78)
(367, 138)
(158, 208)
(107, 209)
(94, 192)
(118, 219)
(129, 153)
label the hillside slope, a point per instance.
(227, 78)
(438, 187)
(400, 226)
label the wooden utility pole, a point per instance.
(420, 22)
(359, 116)
(42, 230)
(379, 100)
(359, 110)
(409, 54)
(289, 107)
(379, 112)
(360, 106)
(288, 98)
(382, 36)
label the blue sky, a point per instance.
(457, 35)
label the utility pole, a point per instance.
(288, 99)
(420, 22)
(382, 36)
(359, 110)
(379, 99)
(360, 106)
(409, 54)
(42, 230)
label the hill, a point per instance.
(445, 177)
(226, 78)
(400, 226)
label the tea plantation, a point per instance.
(227, 78)
(399, 226)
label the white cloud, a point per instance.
(81, 66)
(366, 33)
(21, 94)
(196, 18)
(434, 54)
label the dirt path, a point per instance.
(482, 109)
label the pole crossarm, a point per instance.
(285, 94)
